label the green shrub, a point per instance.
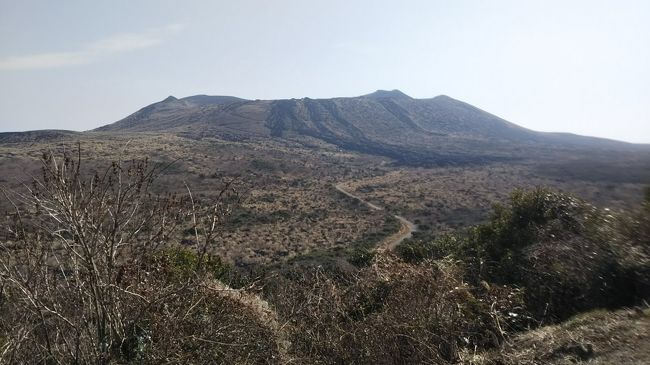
(566, 255)
(361, 257)
(418, 249)
(180, 264)
(563, 251)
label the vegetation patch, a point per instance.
(568, 256)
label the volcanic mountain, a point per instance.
(439, 130)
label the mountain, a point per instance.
(439, 130)
(377, 115)
(168, 114)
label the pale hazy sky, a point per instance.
(574, 66)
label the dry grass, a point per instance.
(597, 337)
(290, 206)
(296, 178)
(452, 197)
(388, 311)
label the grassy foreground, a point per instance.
(92, 272)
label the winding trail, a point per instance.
(266, 313)
(405, 231)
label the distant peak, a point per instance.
(211, 99)
(169, 98)
(443, 97)
(385, 94)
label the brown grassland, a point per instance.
(155, 248)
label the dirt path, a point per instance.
(405, 231)
(267, 314)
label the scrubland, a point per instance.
(216, 251)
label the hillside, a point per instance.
(546, 280)
(436, 131)
(379, 229)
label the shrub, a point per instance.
(566, 253)
(635, 247)
(84, 279)
(417, 250)
(182, 264)
(361, 257)
(390, 312)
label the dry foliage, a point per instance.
(597, 337)
(91, 272)
(392, 312)
(83, 280)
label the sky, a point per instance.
(571, 66)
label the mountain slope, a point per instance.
(377, 114)
(169, 113)
(439, 130)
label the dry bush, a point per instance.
(81, 282)
(203, 322)
(392, 312)
(596, 337)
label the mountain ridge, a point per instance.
(430, 131)
(438, 130)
